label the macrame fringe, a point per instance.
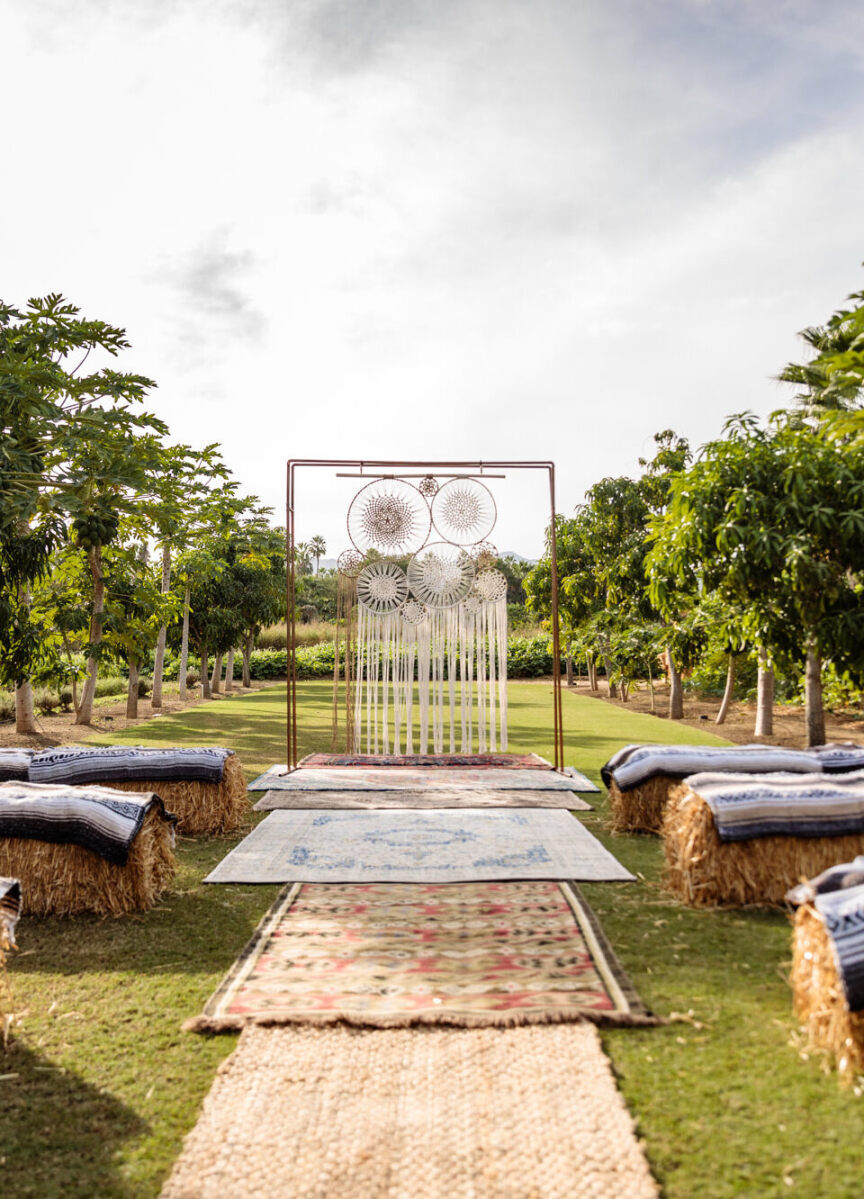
(454, 661)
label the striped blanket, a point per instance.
(635, 764)
(14, 763)
(835, 878)
(840, 756)
(838, 896)
(747, 806)
(128, 763)
(10, 909)
(96, 818)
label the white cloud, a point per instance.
(468, 230)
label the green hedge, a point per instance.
(527, 658)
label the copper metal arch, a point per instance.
(377, 466)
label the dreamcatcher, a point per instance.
(425, 659)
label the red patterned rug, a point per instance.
(390, 954)
(478, 761)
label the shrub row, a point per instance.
(527, 658)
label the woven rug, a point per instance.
(478, 761)
(414, 778)
(419, 1113)
(425, 797)
(395, 954)
(440, 846)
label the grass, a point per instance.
(103, 1084)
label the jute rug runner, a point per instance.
(428, 846)
(414, 778)
(391, 954)
(431, 1113)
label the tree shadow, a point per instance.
(59, 1135)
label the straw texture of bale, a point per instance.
(820, 1002)
(640, 809)
(200, 807)
(705, 872)
(67, 880)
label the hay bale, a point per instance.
(640, 809)
(200, 807)
(68, 880)
(705, 872)
(820, 1003)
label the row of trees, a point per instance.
(91, 489)
(755, 549)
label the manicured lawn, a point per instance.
(104, 1084)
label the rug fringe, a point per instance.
(226, 1024)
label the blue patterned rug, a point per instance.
(437, 846)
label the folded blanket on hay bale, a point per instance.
(15, 763)
(78, 849)
(203, 786)
(737, 839)
(10, 907)
(640, 778)
(828, 963)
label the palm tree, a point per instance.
(317, 548)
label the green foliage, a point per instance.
(7, 705)
(318, 592)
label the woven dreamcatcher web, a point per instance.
(441, 575)
(382, 587)
(389, 515)
(463, 511)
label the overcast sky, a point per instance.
(403, 228)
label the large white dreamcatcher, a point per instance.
(441, 575)
(463, 511)
(389, 515)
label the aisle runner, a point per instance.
(419, 847)
(414, 778)
(432, 1113)
(427, 797)
(390, 954)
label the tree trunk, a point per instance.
(184, 644)
(651, 689)
(247, 653)
(625, 691)
(25, 718)
(764, 697)
(569, 662)
(132, 691)
(676, 691)
(159, 661)
(85, 710)
(613, 690)
(727, 694)
(205, 672)
(216, 678)
(813, 705)
(229, 672)
(592, 672)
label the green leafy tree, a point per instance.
(771, 520)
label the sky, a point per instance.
(473, 230)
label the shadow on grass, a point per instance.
(58, 1132)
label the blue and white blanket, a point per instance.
(747, 806)
(14, 763)
(838, 896)
(128, 763)
(635, 764)
(840, 756)
(10, 907)
(96, 818)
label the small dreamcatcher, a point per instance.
(389, 515)
(382, 587)
(463, 511)
(428, 487)
(350, 563)
(484, 554)
(413, 612)
(441, 575)
(491, 585)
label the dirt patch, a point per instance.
(789, 725)
(60, 729)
